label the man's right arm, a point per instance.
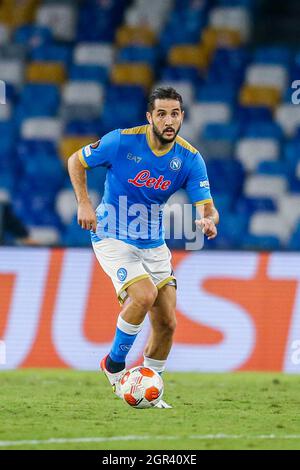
(86, 215)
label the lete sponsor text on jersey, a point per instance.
(143, 179)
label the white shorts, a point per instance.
(126, 264)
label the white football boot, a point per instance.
(113, 378)
(162, 404)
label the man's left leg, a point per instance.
(163, 322)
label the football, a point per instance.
(141, 387)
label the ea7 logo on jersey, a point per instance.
(204, 184)
(134, 158)
(175, 164)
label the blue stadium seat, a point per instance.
(11, 92)
(272, 55)
(138, 54)
(35, 147)
(99, 20)
(248, 205)
(216, 92)
(233, 58)
(33, 36)
(120, 92)
(291, 153)
(84, 127)
(35, 207)
(118, 110)
(231, 230)
(191, 74)
(225, 176)
(236, 3)
(52, 53)
(272, 168)
(38, 100)
(180, 37)
(7, 179)
(127, 115)
(88, 72)
(294, 242)
(184, 27)
(261, 243)
(74, 235)
(226, 132)
(294, 184)
(191, 5)
(228, 66)
(262, 129)
(8, 133)
(248, 114)
(44, 174)
(223, 202)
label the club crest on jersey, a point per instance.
(143, 179)
(122, 274)
(175, 164)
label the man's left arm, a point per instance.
(198, 189)
(209, 218)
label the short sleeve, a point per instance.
(197, 183)
(101, 153)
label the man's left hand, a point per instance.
(208, 227)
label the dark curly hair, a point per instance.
(164, 93)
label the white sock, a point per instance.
(128, 327)
(155, 364)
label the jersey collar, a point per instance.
(157, 153)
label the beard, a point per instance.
(160, 135)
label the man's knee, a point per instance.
(144, 296)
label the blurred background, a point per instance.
(74, 70)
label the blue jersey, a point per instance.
(139, 181)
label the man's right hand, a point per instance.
(86, 216)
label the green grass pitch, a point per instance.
(64, 409)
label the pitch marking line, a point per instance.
(145, 438)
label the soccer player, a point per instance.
(145, 166)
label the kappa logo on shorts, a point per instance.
(122, 274)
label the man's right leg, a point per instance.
(122, 263)
(142, 295)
